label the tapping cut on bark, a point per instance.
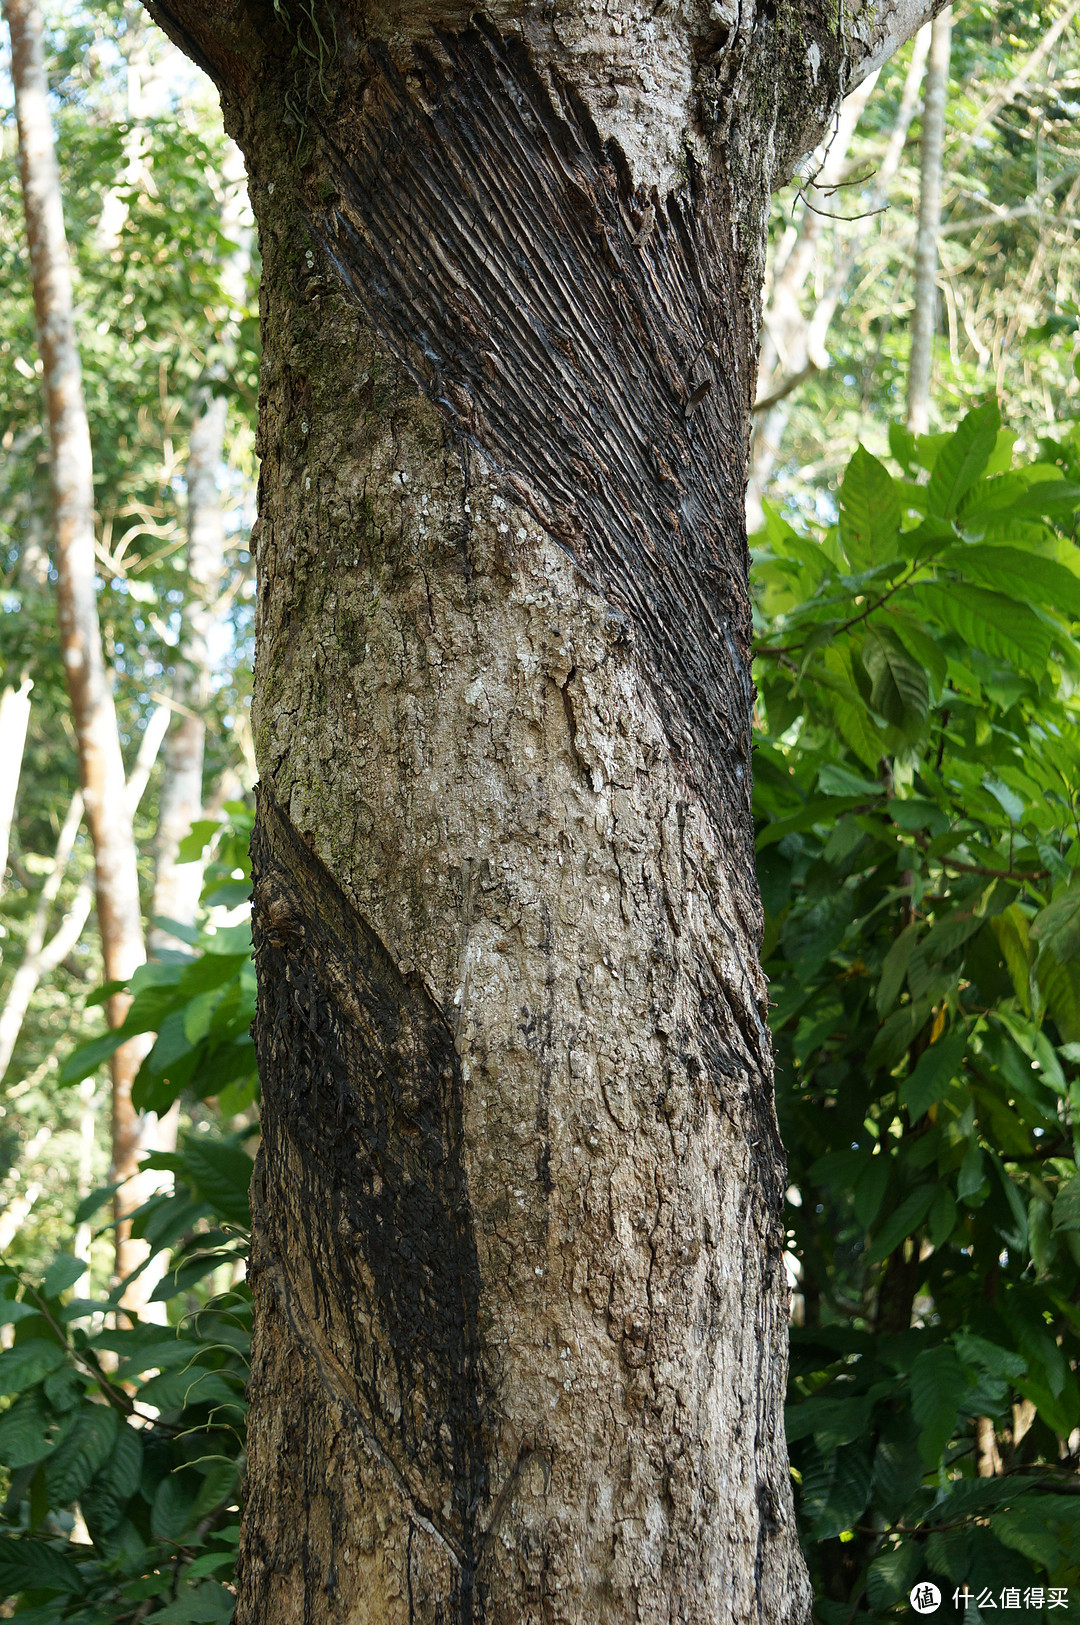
(519, 1294)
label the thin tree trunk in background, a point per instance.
(177, 885)
(40, 957)
(805, 343)
(924, 314)
(14, 719)
(101, 767)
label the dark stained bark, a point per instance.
(517, 1258)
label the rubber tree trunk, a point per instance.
(517, 1264)
(101, 766)
(924, 314)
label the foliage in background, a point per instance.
(917, 787)
(121, 1440)
(1009, 300)
(143, 160)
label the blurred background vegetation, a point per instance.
(918, 776)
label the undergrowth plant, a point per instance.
(918, 806)
(122, 1438)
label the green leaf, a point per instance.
(1030, 577)
(84, 1449)
(218, 1487)
(97, 1199)
(25, 1364)
(898, 1468)
(27, 1564)
(1008, 800)
(1000, 1362)
(935, 1069)
(196, 842)
(1024, 1529)
(172, 1510)
(899, 690)
(63, 1272)
(11, 1311)
(28, 1431)
(900, 1224)
(869, 511)
(920, 644)
(894, 967)
(207, 1604)
(221, 1173)
(833, 1422)
(85, 1060)
(971, 1179)
(870, 1188)
(1067, 1205)
(989, 621)
(104, 1499)
(102, 994)
(938, 1385)
(892, 1574)
(823, 809)
(962, 458)
(209, 971)
(1057, 926)
(835, 1493)
(902, 446)
(941, 1220)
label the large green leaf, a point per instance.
(938, 1385)
(895, 1227)
(988, 621)
(932, 1074)
(25, 1364)
(85, 1448)
(892, 1574)
(899, 689)
(27, 1564)
(1018, 573)
(221, 1173)
(869, 511)
(1058, 925)
(962, 458)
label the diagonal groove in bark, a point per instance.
(336, 1386)
(367, 1138)
(566, 367)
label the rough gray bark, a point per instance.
(517, 1262)
(924, 312)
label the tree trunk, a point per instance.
(14, 720)
(924, 314)
(101, 765)
(178, 886)
(517, 1259)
